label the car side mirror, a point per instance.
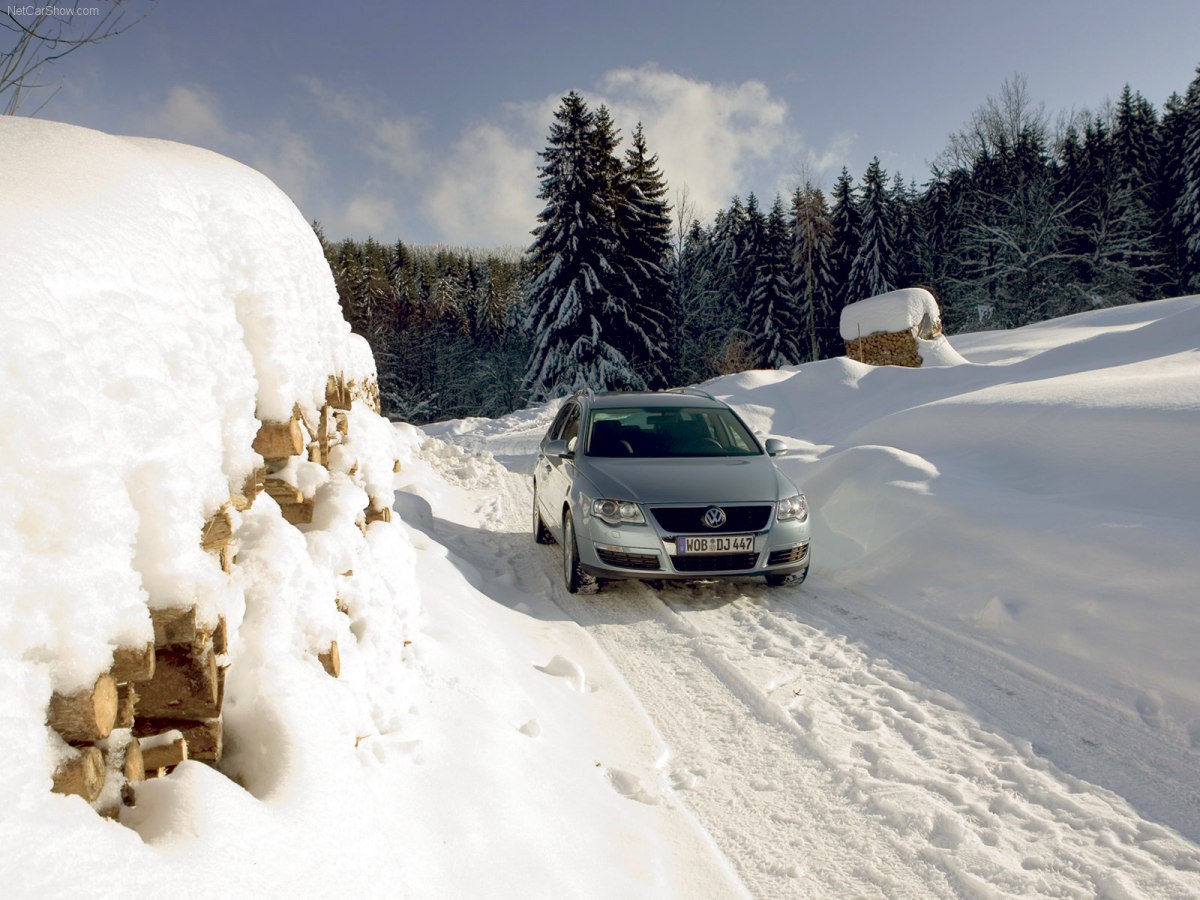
(559, 449)
(776, 447)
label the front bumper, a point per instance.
(645, 551)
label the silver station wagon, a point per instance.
(665, 485)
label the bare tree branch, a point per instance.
(45, 35)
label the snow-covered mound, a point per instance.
(157, 302)
(897, 328)
(1042, 499)
(895, 311)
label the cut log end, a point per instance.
(133, 663)
(127, 699)
(331, 660)
(176, 625)
(134, 766)
(378, 515)
(81, 775)
(186, 685)
(87, 715)
(279, 440)
(162, 757)
(217, 531)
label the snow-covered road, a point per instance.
(832, 744)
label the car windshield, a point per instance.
(668, 431)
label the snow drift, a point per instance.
(157, 303)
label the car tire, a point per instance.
(541, 533)
(792, 578)
(576, 580)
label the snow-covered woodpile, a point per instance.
(884, 330)
(160, 703)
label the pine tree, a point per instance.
(905, 199)
(580, 317)
(645, 221)
(812, 279)
(846, 238)
(873, 271)
(771, 316)
(938, 228)
(1187, 206)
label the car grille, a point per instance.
(645, 561)
(690, 519)
(725, 562)
(783, 557)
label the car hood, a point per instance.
(729, 479)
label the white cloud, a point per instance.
(365, 214)
(394, 141)
(708, 137)
(189, 114)
(289, 160)
(486, 191)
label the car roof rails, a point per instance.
(695, 392)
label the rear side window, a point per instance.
(568, 427)
(556, 425)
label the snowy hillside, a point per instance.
(987, 687)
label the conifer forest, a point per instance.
(1023, 216)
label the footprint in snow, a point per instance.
(532, 728)
(561, 667)
(1150, 707)
(629, 785)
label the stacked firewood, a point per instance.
(886, 349)
(161, 703)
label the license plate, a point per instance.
(716, 543)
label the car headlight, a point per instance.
(794, 507)
(617, 512)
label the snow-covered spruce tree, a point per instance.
(846, 224)
(770, 309)
(1013, 243)
(731, 273)
(580, 319)
(1187, 207)
(1136, 145)
(937, 233)
(1111, 232)
(703, 317)
(812, 280)
(645, 222)
(874, 268)
(907, 223)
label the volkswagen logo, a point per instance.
(714, 517)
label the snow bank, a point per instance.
(157, 302)
(1044, 503)
(896, 311)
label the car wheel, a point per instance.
(792, 578)
(541, 533)
(576, 580)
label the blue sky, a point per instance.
(423, 121)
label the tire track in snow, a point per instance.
(820, 770)
(989, 811)
(781, 817)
